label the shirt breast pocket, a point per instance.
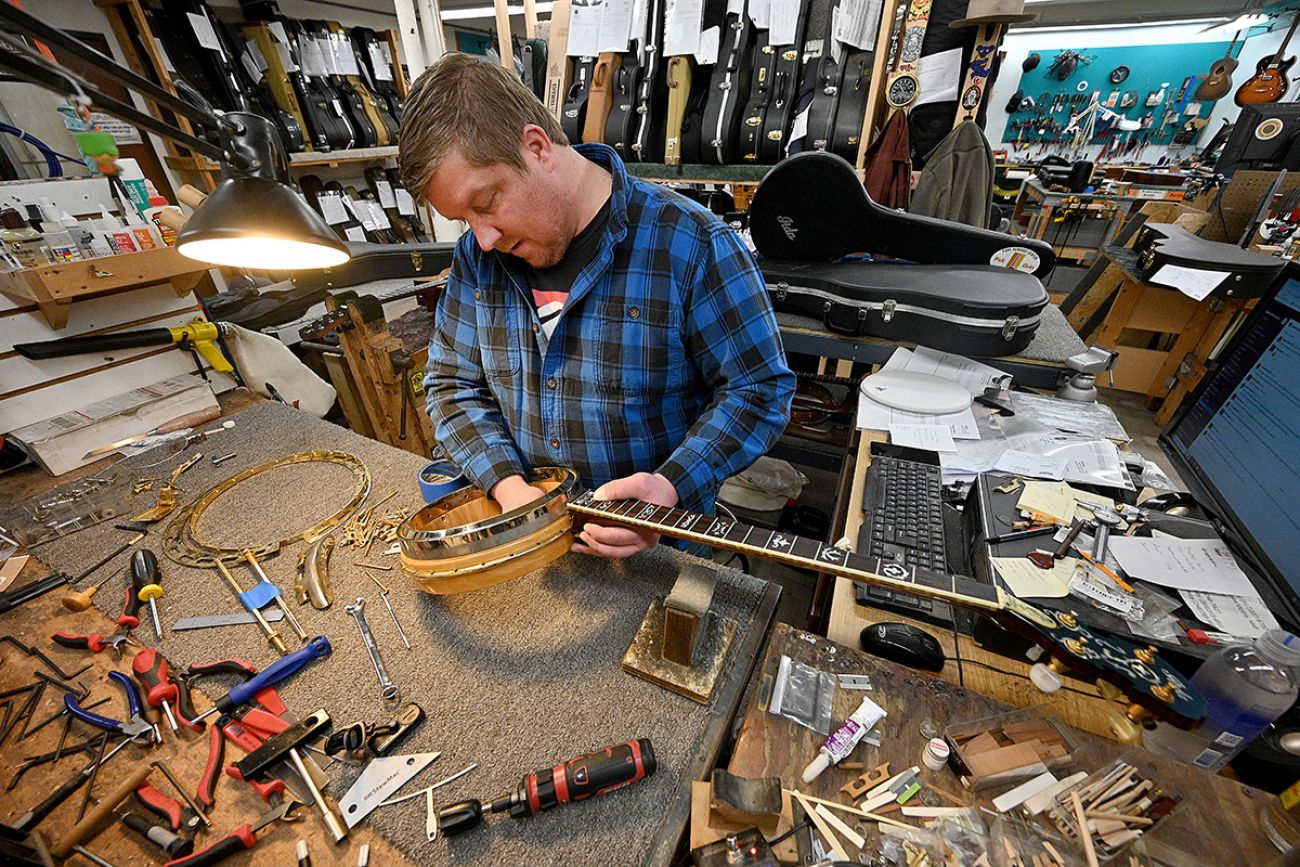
(641, 353)
(499, 347)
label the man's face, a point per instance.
(509, 210)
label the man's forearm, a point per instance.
(472, 431)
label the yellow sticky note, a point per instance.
(1048, 501)
(1027, 580)
(1082, 497)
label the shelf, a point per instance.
(53, 288)
(332, 159)
(698, 174)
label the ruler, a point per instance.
(208, 621)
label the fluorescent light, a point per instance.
(1126, 26)
(487, 12)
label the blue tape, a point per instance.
(261, 594)
(440, 478)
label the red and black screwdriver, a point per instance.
(160, 690)
(580, 778)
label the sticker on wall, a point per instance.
(1269, 129)
(1016, 258)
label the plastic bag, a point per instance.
(803, 695)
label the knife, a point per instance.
(188, 420)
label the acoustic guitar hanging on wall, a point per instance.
(1217, 84)
(1269, 83)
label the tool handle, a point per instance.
(207, 791)
(222, 666)
(171, 844)
(95, 815)
(88, 717)
(11, 599)
(96, 343)
(168, 808)
(130, 616)
(274, 673)
(132, 696)
(34, 816)
(185, 711)
(236, 841)
(272, 785)
(93, 643)
(591, 774)
(151, 669)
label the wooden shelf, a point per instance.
(698, 174)
(53, 288)
(332, 159)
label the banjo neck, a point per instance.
(792, 550)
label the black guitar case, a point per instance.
(364, 39)
(777, 119)
(574, 114)
(693, 141)
(323, 113)
(760, 97)
(363, 129)
(930, 123)
(532, 57)
(1245, 274)
(620, 126)
(651, 103)
(812, 207)
(728, 85)
(855, 85)
(826, 74)
(974, 310)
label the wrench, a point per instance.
(389, 690)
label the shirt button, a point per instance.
(550, 383)
(555, 443)
(536, 328)
(478, 296)
(634, 312)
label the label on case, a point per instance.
(1016, 258)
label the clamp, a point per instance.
(134, 728)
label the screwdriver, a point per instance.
(79, 600)
(146, 580)
(151, 669)
(583, 776)
(269, 676)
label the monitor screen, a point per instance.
(1238, 443)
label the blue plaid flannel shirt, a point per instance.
(666, 357)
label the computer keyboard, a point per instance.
(904, 510)
(903, 522)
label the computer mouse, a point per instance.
(904, 644)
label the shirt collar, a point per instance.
(604, 155)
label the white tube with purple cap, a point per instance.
(842, 741)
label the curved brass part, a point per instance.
(1146, 655)
(1164, 692)
(1067, 619)
(462, 541)
(182, 544)
(314, 574)
(1076, 646)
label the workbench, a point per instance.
(1042, 364)
(515, 678)
(1036, 209)
(1221, 826)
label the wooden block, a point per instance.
(1004, 759)
(982, 742)
(706, 826)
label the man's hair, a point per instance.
(466, 103)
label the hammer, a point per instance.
(284, 745)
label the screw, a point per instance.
(218, 461)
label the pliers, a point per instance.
(134, 728)
(94, 643)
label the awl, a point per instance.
(188, 420)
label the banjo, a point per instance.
(463, 542)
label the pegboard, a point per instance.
(1177, 69)
(1238, 202)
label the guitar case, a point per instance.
(1245, 274)
(532, 57)
(328, 127)
(760, 97)
(728, 85)
(651, 102)
(786, 81)
(825, 72)
(851, 110)
(275, 80)
(376, 109)
(373, 53)
(620, 125)
(974, 310)
(573, 117)
(679, 92)
(600, 99)
(787, 222)
(692, 141)
(354, 110)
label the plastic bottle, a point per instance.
(128, 170)
(141, 232)
(59, 241)
(1246, 686)
(157, 204)
(118, 238)
(24, 242)
(89, 245)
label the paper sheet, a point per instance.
(615, 25)
(858, 22)
(1030, 465)
(1244, 615)
(1027, 581)
(1072, 416)
(1205, 565)
(710, 45)
(939, 77)
(1191, 282)
(584, 28)
(682, 20)
(1051, 501)
(974, 376)
(784, 22)
(760, 12)
(874, 416)
(935, 438)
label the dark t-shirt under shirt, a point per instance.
(551, 286)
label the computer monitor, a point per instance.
(1264, 137)
(1236, 444)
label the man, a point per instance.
(592, 320)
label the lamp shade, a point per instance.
(256, 222)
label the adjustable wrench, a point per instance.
(389, 690)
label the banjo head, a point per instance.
(463, 542)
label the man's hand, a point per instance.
(513, 492)
(619, 542)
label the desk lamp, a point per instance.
(253, 219)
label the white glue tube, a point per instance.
(842, 741)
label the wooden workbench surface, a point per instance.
(769, 745)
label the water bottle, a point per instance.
(1246, 687)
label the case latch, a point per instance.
(844, 318)
(1010, 327)
(782, 290)
(887, 309)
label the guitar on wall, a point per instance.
(1269, 83)
(1150, 683)
(1217, 84)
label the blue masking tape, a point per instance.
(440, 478)
(261, 594)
